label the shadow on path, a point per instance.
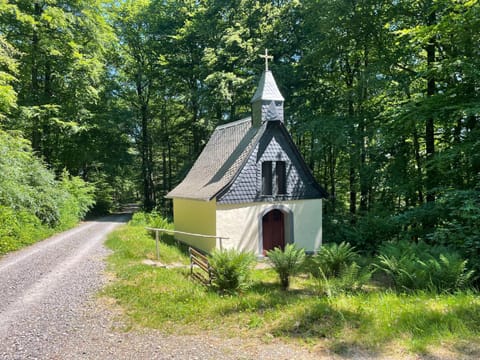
(122, 216)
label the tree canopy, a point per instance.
(382, 99)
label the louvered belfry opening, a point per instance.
(267, 102)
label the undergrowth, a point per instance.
(376, 320)
(34, 203)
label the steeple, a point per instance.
(267, 102)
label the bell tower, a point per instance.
(267, 102)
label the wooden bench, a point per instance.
(200, 261)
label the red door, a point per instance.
(273, 230)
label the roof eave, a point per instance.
(173, 197)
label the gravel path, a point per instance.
(48, 309)
(44, 287)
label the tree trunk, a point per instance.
(147, 173)
(332, 164)
(418, 163)
(353, 152)
(429, 126)
(363, 165)
(147, 199)
(363, 173)
(35, 86)
(353, 192)
(195, 130)
(48, 145)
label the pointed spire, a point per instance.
(267, 102)
(267, 88)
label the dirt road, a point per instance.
(43, 288)
(49, 310)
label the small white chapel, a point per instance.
(250, 189)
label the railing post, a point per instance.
(156, 244)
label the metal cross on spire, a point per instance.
(266, 57)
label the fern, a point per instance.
(332, 259)
(423, 267)
(231, 270)
(448, 273)
(351, 278)
(286, 263)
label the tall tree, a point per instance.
(138, 71)
(62, 44)
(8, 72)
(437, 59)
(341, 57)
(8, 63)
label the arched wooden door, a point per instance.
(273, 230)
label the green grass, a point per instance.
(374, 321)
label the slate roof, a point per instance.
(275, 144)
(225, 153)
(267, 88)
(229, 149)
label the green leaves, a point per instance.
(350, 278)
(231, 270)
(8, 73)
(286, 263)
(32, 202)
(333, 258)
(138, 86)
(59, 52)
(422, 267)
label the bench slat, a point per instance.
(201, 278)
(197, 254)
(199, 260)
(202, 265)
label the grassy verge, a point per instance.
(374, 321)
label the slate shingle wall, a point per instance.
(273, 146)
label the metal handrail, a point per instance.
(157, 230)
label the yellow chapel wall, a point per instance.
(197, 217)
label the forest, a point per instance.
(111, 101)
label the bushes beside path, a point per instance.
(34, 203)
